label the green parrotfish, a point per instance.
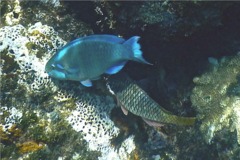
(87, 58)
(130, 97)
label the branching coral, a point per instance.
(216, 100)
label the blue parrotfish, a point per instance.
(87, 58)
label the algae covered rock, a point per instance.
(217, 101)
(11, 12)
(171, 19)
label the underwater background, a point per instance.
(194, 47)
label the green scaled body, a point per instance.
(134, 99)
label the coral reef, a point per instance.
(179, 18)
(43, 118)
(44, 110)
(216, 100)
(29, 146)
(10, 134)
(91, 117)
(11, 12)
(50, 13)
(167, 19)
(55, 3)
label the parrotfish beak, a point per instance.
(57, 74)
(54, 72)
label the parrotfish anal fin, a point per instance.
(152, 123)
(125, 111)
(86, 83)
(116, 68)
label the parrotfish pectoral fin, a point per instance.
(135, 46)
(86, 83)
(116, 68)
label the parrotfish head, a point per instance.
(55, 69)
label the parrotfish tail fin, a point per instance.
(185, 120)
(135, 46)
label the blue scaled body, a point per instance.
(87, 58)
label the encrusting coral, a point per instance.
(29, 146)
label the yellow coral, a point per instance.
(10, 134)
(29, 146)
(15, 131)
(3, 135)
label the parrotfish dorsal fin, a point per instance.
(100, 38)
(104, 37)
